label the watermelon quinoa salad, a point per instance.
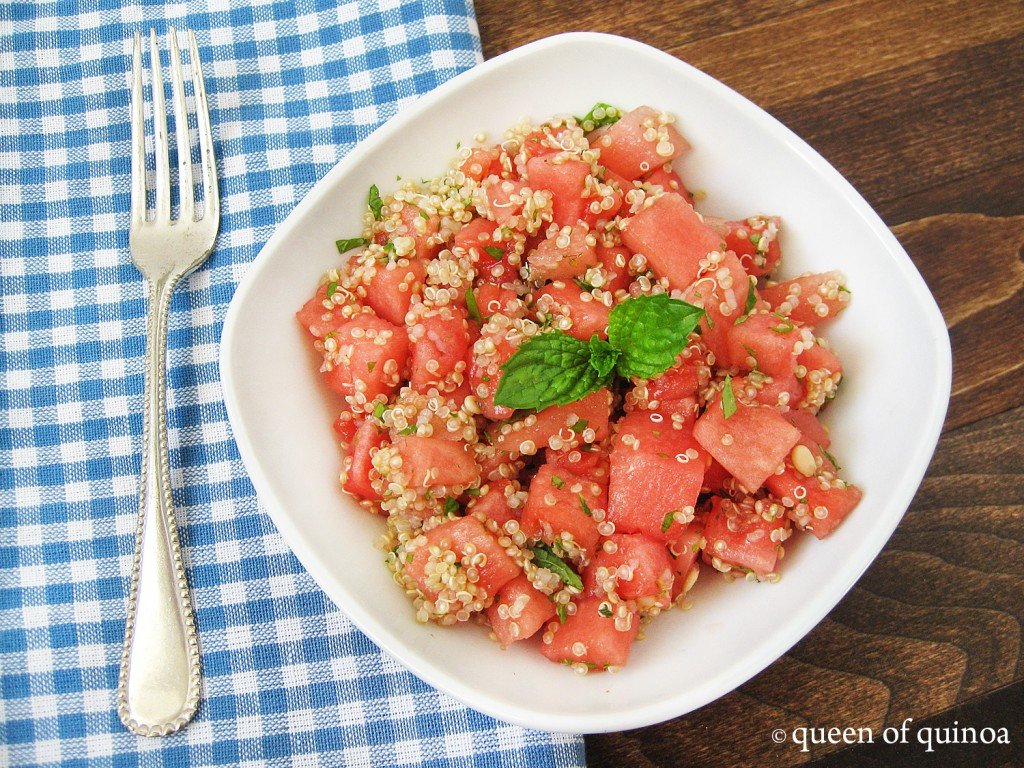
(565, 390)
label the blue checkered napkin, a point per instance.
(293, 85)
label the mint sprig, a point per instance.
(645, 336)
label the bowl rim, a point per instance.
(799, 623)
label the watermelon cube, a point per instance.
(644, 570)
(738, 535)
(673, 238)
(566, 180)
(455, 536)
(594, 637)
(428, 462)
(519, 611)
(809, 298)
(562, 502)
(566, 254)
(656, 476)
(750, 444)
(367, 357)
(639, 142)
(560, 426)
(357, 472)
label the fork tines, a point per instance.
(186, 183)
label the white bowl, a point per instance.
(885, 422)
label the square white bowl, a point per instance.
(885, 423)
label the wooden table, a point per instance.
(919, 105)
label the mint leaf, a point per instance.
(584, 507)
(543, 557)
(650, 332)
(353, 242)
(451, 506)
(728, 398)
(562, 612)
(551, 368)
(667, 521)
(495, 252)
(374, 202)
(472, 306)
(602, 355)
(831, 458)
(751, 298)
(579, 426)
(600, 114)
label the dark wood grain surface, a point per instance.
(921, 106)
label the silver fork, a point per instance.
(159, 684)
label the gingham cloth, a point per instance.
(287, 678)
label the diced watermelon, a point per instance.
(504, 199)
(628, 150)
(765, 343)
(319, 320)
(363, 367)
(455, 535)
(563, 255)
(664, 177)
(420, 226)
(432, 461)
(809, 427)
(673, 238)
(345, 426)
(392, 287)
(566, 180)
(541, 142)
(493, 503)
(603, 200)
(817, 502)
(569, 422)
(519, 611)
(755, 242)
(440, 344)
(809, 298)
(780, 392)
(476, 240)
(680, 381)
(750, 444)
(591, 637)
(566, 299)
(485, 369)
(644, 570)
(832, 504)
(589, 463)
(737, 535)
(715, 478)
(560, 502)
(481, 163)
(491, 299)
(615, 260)
(723, 296)
(656, 475)
(684, 550)
(357, 468)
(819, 372)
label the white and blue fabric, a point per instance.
(288, 680)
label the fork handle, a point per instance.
(158, 688)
